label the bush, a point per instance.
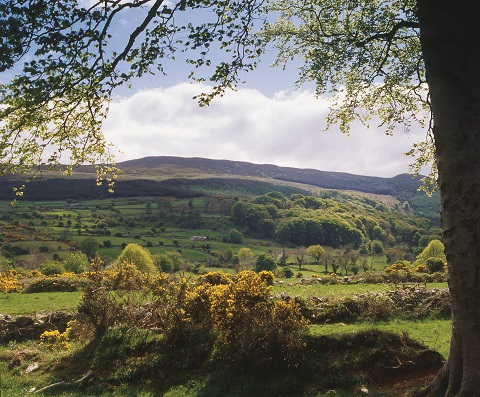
(66, 282)
(287, 272)
(76, 262)
(235, 236)
(52, 267)
(434, 265)
(251, 328)
(265, 262)
(137, 255)
(9, 281)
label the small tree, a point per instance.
(76, 262)
(50, 268)
(317, 252)
(434, 249)
(265, 262)
(235, 236)
(245, 259)
(377, 247)
(89, 246)
(163, 262)
(139, 256)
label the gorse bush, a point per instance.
(232, 320)
(9, 281)
(66, 282)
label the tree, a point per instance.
(235, 236)
(76, 262)
(245, 259)
(317, 252)
(89, 246)
(72, 65)
(400, 60)
(300, 256)
(139, 256)
(265, 262)
(163, 262)
(434, 249)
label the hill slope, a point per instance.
(166, 175)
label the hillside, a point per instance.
(194, 177)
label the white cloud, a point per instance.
(285, 129)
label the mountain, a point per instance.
(165, 175)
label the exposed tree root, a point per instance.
(85, 377)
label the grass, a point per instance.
(130, 363)
(433, 333)
(21, 304)
(339, 290)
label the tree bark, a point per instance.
(450, 38)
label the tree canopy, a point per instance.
(59, 65)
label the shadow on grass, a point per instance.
(138, 364)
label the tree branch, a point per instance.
(388, 36)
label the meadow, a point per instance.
(34, 233)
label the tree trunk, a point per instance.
(450, 38)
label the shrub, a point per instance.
(265, 262)
(56, 340)
(76, 262)
(287, 272)
(52, 267)
(434, 265)
(139, 256)
(215, 278)
(89, 246)
(9, 281)
(251, 328)
(267, 277)
(235, 236)
(66, 282)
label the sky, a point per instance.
(266, 121)
(286, 128)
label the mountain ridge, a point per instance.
(158, 175)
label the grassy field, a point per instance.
(19, 303)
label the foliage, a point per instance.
(66, 282)
(435, 265)
(316, 252)
(253, 330)
(265, 262)
(434, 249)
(51, 268)
(235, 317)
(235, 236)
(245, 259)
(366, 53)
(89, 246)
(137, 255)
(163, 262)
(55, 340)
(68, 93)
(287, 272)
(76, 262)
(9, 281)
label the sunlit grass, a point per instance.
(21, 303)
(433, 333)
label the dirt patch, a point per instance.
(411, 375)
